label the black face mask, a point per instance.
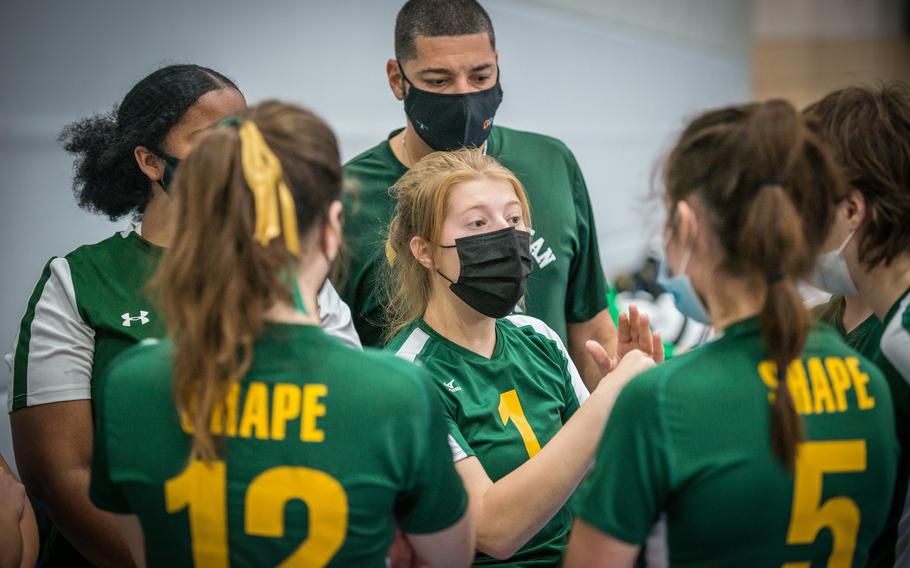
(448, 122)
(170, 166)
(494, 270)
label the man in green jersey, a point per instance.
(868, 252)
(446, 72)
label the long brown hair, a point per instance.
(423, 197)
(767, 183)
(216, 279)
(869, 130)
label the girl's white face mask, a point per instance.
(831, 273)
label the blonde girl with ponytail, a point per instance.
(251, 436)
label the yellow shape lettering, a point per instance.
(312, 410)
(285, 406)
(255, 412)
(840, 380)
(767, 370)
(860, 379)
(821, 390)
(799, 387)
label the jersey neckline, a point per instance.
(464, 351)
(892, 311)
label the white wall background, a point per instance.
(613, 81)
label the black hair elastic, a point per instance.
(771, 182)
(775, 277)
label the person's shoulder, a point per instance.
(103, 247)
(409, 343)
(529, 327)
(393, 380)
(533, 142)
(139, 366)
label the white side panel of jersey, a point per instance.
(657, 551)
(62, 346)
(409, 351)
(581, 391)
(896, 341)
(413, 345)
(335, 316)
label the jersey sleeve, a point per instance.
(335, 316)
(55, 348)
(457, 443)
(587, 287)
(437, 497)
(631, 479)
(103, 492)
(895, 342)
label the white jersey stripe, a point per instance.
(458, 453)
(896, 341)
(61, 347)
(413, 345)
(581, 391)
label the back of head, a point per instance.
(107, 178)
(869, 130)
(222, 270)
(422, 196)
(435, 18)
(767, 183)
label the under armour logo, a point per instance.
(142, 318)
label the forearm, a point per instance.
(516, 507)
(11, 551)
(90, 530)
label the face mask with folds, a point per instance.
(680, 287)
(494, 270)
(831, 273)
(452, 121)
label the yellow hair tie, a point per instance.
(274, 202)
(390, 254)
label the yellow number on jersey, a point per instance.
(510, 409)
(839, 514)
(201, 488)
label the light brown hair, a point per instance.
(768, 183)
(869, 130)
(423, 198)
(216, 280)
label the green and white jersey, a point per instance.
(89, 306)
(325, 449)
(503, 409)
(566, 284)
(689, 442)
(865, 337)
(895, 362)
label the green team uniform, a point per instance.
(320, 459)
(87, 308)
(894, 359)
(688, 446)
(502, 410)
(865, 337)
(566, 284)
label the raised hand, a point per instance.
(634, 334)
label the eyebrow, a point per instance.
(445, 70)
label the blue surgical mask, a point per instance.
(680, 287)
(831, 273)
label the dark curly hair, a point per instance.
(107, 178)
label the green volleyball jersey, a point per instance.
(566, 284)
(893, 357)
(864, 337)
(88, 306)
(689, 442)
(325, 449)
(92, 304)
(502, 410)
